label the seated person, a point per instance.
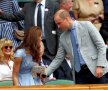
(89, 10)
(6, 57)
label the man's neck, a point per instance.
(38, 1)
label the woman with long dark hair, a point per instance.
(27, 55)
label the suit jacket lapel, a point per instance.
(68, 40)
(33, 12)
(78, 32)
(47, 8)
(69, 44)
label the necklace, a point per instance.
(7, 63)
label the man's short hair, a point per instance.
(63, 1)
(62, 13)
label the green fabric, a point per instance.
(24, 0)
(6, 83)
(59, 82)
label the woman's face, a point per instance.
(7, 50)
(42, 48)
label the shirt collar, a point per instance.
(42, 2)
(74, 24)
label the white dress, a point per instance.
(5, 71)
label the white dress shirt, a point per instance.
(43, 12)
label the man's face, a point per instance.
(68, 5)
(61, 23)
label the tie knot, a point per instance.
(39, 4)
(73, 28)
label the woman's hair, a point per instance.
(32, 42)
(5, 42)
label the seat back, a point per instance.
(24, 0)
(6, 83)
(59, 81)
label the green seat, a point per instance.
(59, 81)
(24, 0)
(6, 83)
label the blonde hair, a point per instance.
(4, 42)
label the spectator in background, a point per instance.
(104, 28)
(89, 10)
(6, 59)
(85, 47)
(67, 5)
(7, 28)
(31, 17)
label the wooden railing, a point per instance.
(98, 87)
(59, 87)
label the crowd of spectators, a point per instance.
(45, 23)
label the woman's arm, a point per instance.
(16, 67)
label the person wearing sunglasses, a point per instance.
(6, 59)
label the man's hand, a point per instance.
(99, 71)
(43, 77)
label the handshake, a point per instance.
(39, 71)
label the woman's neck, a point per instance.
(6, 58)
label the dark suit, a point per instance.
(63, 72)
(72, 14)
(27, 14)
(104, 28)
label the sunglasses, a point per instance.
(6, 47)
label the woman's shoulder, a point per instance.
(20, 50)
(19, 53)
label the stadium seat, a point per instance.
(59, 81)
(6, 83)
(24, 0)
